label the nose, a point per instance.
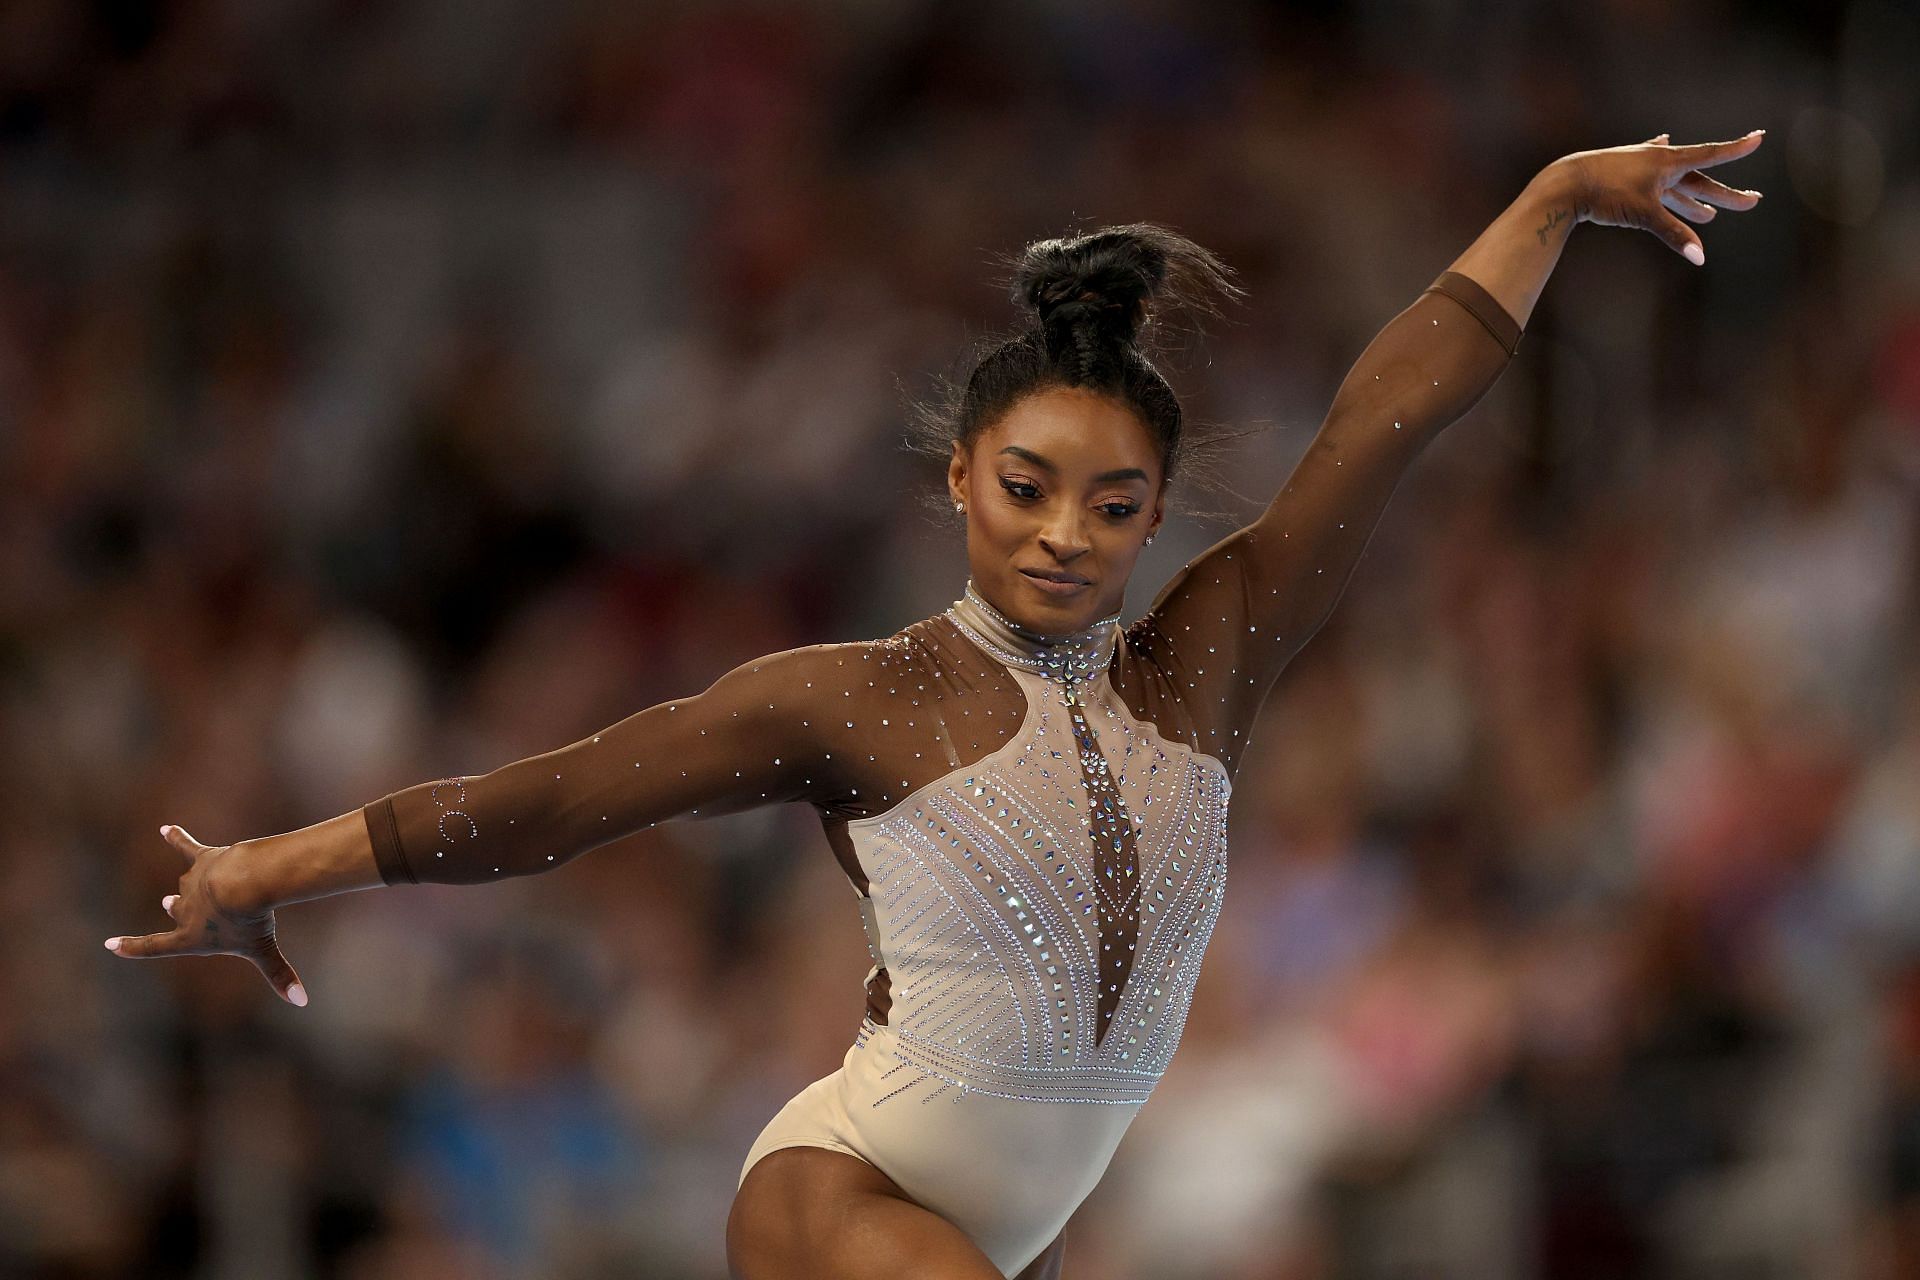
(1065, 536)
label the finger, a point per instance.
(1690, 209)
(172, 943)
(1715, 192)
(177, 837)
(278, 972)
(1679, 237)
(1700, 155)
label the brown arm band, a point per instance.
(1481, 305)
(385, 834)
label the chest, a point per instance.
(1048, 904)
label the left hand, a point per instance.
(1646, 184)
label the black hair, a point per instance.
(1098, 302)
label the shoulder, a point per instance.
(812, 674)
(795, 672)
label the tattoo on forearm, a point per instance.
(1554, 218)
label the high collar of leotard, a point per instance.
(1071, 655)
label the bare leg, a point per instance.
(810, 1213)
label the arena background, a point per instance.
(390, 390)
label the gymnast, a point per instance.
(1028, 799)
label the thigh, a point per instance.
(811, 1213)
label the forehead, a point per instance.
(1075, 429)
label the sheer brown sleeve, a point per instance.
(752, 738)
(1229, 621)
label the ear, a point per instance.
(957, 474)
(1159, 511)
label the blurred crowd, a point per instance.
(395, 390)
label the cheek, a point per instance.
(997, 520)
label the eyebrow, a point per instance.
(1120, 473)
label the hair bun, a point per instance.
(1089, 295)
(1101, 279)
(1089, 292)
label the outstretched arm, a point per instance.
(1229, 622)
(747, 740)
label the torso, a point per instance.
(997, 857)
(1039, 868)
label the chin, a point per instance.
(1045, 611)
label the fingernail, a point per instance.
(164, 828)
(1695, 254)
(1756, 133)
(113, 944)
(166, 903)
(297, 994)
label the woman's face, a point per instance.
(1061, 493)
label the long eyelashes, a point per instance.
(1027, 492)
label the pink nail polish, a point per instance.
(113, 944)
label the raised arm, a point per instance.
(749, 739)
(1229, 622)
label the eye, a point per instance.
(1020, 488)
(1119, 510)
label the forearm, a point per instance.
(1513, 257)
(334, 856)
(1279, 578)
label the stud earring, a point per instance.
(959, 506)
(1149, 539)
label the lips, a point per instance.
(1066, 579)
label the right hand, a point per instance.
(213, 916)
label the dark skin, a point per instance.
(1068, 483)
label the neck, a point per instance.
(1070, 656)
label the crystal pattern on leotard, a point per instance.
(1071, 660)
(1018, 895)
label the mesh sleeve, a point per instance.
(749, 739)
(1229, 621)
